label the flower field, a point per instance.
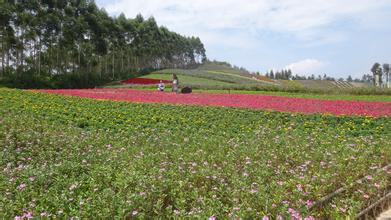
(143, 81)
(65, 157)
(285, 104)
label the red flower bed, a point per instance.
(143, 81)
(278, 103)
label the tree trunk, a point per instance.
(2, 54)
(21, 54)
(113, 65)
(39, 55)
(100, 67)
(122, 62)
(78, 72)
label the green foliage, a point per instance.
(71, 157)
(79, 42)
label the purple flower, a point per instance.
(28, 215)
(265, 218)
(309, 203)
(21, 186)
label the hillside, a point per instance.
(220, 75)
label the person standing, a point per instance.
(175, 83)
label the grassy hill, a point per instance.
(221, 76)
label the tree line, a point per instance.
(73, 43)
(381, 75)
(286, 74)
(366, 78)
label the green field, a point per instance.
(69, 157)
(373, 98)
(215, 75)
(188, 80)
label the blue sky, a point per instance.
(336, 37)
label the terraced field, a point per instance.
(214, 75)
(187, 80)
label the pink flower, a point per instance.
(212, 218)
(134, 212)
(253, 191)
(369, 177)
(28, 215)
(21, 186)
(31, 178)
(265, 218)
(309, 203)
(285, 104)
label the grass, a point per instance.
(66, 157)
(375, 98)
(214, 75)
(188, 80)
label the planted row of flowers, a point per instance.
(65, 157)
(285, 104)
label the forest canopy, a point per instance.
(73, 43)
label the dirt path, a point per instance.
(385, 215)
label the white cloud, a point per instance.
(306, 66)
(257, 26)
(303, 19)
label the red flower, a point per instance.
(278, 103)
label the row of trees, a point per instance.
(283, 74)
(74, 38)
(381, 76)
(287, 75)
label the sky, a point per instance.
(336, 37)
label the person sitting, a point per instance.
(161, 86)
